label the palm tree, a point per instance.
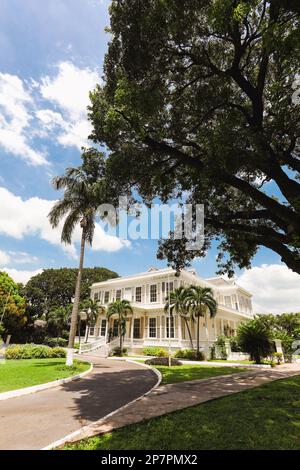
(92, 311)
(201, 301)
(121, 308)
(59, 319)
(179, 304)
(84, 190)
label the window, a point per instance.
(103, 327)
(170, 327)
(228, 301)
(138, 294)
(96, 296)
(166, 287)
(137, 328)
(106, 297)
(235, 303)
(118, 294)
(116, 328)
(153, 293)
(152, 327)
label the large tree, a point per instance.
(55, 288)
(197, 97)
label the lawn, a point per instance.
(267, 417)
(26, 373)
(176, 374)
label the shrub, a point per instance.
(256, 339)
(220, 343)
(190, 355)
(53, 342)
(155, 351)
(279, 357)
(162, 361)
(117, 351)
(212, 352)
(33, 351)
(234, 344)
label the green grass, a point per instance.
(267, 417)
(15, 374)
(176, 374)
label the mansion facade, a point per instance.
(149, 324)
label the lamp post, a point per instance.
(169, 316)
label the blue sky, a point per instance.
(51, 54)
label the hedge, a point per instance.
(33, 351)
(155, 351)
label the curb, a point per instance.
(38, 388)
(76, 434)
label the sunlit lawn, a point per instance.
(267, 417)
(176, 374)
(26, 373)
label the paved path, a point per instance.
(34, 421)
(172, 397)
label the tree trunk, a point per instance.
(198, 336)
(75, 308)
(189, 332)
(121, 337)
(87, 333)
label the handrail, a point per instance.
(87, 347)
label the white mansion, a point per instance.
(149, 324)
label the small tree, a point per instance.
(120, 308)
(201, 300)
(179, 305)
(92, 311)
(256, 339)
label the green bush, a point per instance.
(33, 351)
(155, 351)
(256, 339)
(234, 344)
(54, 342)
(117, 351)
(162, 361)
(190, 355)
(220, 343)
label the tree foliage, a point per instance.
(197, 98)
(55, 288)
(256, 338)
(12, 306)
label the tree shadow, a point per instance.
(108, 388)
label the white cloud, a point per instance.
(21, 276)
(275, 288)
(53, 107)
(21, 257)
(20, 218)
(69, 93)
(70, 88)
(4, 258)
(15, 119)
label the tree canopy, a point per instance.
(55, 288)
(197, 100)
(12, 306)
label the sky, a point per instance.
(51, 56)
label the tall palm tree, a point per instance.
(92, 311)
(84, 190)
(201, 301)
(120, 308)
(179, 304)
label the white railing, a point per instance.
(87, 347)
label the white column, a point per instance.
(179, 330)
(222, 326)
(131, 330)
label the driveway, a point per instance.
(34, 421)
